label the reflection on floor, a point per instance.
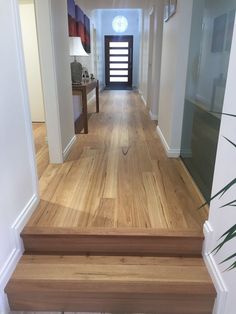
(41, 147)
(117, 176)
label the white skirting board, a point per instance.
(153, 117)
(171, 153)
(68, 147)
(214, 271)
(17, 251)
(143, 99)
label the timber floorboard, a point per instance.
(41, 147)
(115, 284)
(117, 178)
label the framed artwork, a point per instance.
(79, 24)
(87, 46)
(71, 18)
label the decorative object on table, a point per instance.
(85, 74)
(92, 76)
(170, 8)
(76, 49)
(79, 24)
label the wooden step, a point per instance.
(148, 242)
(163, 285)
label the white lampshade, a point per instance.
(76, 47)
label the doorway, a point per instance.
(119, 62)
(34, 82)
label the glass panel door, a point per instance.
(210, 45)
(118, 61)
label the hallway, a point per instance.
(117, 228)
(118, 176)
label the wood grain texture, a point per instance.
(117, 178)
(41, 147)
(111, 284)
(112, 241)
(119, 165)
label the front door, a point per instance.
(119, 61)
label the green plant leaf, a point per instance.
(232, 204)
(228, 238)
(230, 141)
(224, 114)
(231, 230)
(220, 193)
(231, 267)
(229, 235)
(228, 258)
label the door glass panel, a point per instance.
(119, 51)
(118, 79)
(210, 45)
(118, 65)
(119, 72)
(119, 44)
(119, 59)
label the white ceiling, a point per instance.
(113, 4)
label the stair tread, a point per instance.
(115, 273)
(112, 241)
(74, 231)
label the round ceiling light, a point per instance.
(120, 24)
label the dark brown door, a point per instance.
(119, 61)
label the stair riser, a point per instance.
(110, 245)
(112, 303)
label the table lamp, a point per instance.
(76, 49)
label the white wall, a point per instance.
(62, 67)
(156, 62)
(221, 219)
(212, 64)
(175, 49)
(18, 180)
(143, 84)
(30, 44)
(87, 61)
(52, 25)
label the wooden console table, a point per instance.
(84, 89)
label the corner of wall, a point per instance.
(142, 97)
(170, 152)
(213, 270)
(69, 147)
(17, 251)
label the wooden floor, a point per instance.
(117, 176)
(41, 147)
(117, 229)
(171, 285)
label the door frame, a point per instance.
(130, 39)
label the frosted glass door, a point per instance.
(210, 46)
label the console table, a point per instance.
(84, 89)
